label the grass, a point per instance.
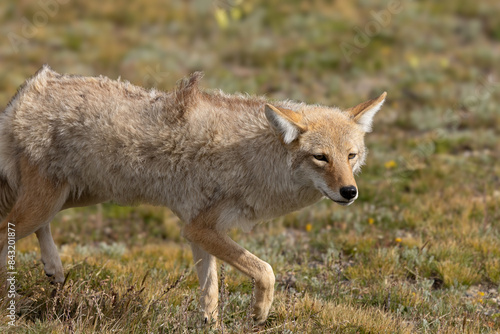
(419, 252)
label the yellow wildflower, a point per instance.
(390, 164)
(414, 61)
(221, 18)
(398, 240)
(444, 62)
(236, 13)
(309, 227)
(371, 221)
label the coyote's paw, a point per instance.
(210, 319)
(260, 313)
(54, 272)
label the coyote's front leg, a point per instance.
(202, 232)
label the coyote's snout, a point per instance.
(218, 161)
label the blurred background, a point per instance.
(425, 230)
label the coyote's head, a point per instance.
(326, 145)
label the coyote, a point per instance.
(218, 161)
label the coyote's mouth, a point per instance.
(343, 203)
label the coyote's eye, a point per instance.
(352, 156)
(320, 157)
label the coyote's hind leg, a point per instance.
(38, 201)
(50, 256)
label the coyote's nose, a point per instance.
(348, 192)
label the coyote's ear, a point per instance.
(363, 113)
(286, 121)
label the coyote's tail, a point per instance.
(8, 196)
(9, 180)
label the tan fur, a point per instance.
(218, 161)
(38, 201)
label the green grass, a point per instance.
(419, 252)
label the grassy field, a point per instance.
(419, 251)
